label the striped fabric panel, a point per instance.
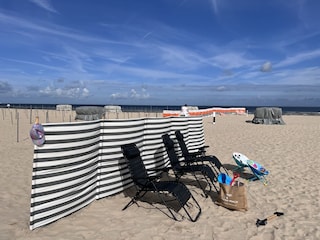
(64, 175)
(114, 175)
(192, 130)
(82, 161)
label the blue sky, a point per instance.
(160, 52)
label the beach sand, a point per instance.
(290, 152)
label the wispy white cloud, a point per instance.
(77, 59)
(156, 74)
(301, 57)
(52, 29)
(232, 60)
(306, 76)
(45, 4)
(58, 88)
(214, 4)
(177, 57)
(132, 94)
(41, 65)
(66, 93)
(136, 95)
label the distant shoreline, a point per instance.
(302, 113)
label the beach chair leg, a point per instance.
(264, 180)
(134, 199)
(252, 179)
(129, 204)
(261, 178)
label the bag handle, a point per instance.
(235, 176)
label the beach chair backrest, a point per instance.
(182, 143)
(136, 167)
(169, 145)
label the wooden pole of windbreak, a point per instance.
(17, 126)
(30, 117)
(47, 116)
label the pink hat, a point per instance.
(37, 134)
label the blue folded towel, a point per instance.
(224, 178)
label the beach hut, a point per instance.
(113, 108)
(268, 115)
(64, 107)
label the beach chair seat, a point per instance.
(199, 155)
(180, 168)
(241, 161)
(258, 171)
(145, 183)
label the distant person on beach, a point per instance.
(185, 111)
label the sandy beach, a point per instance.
(290, 152)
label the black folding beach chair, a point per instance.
(145, 183)
(199, 156)
(180, 168)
